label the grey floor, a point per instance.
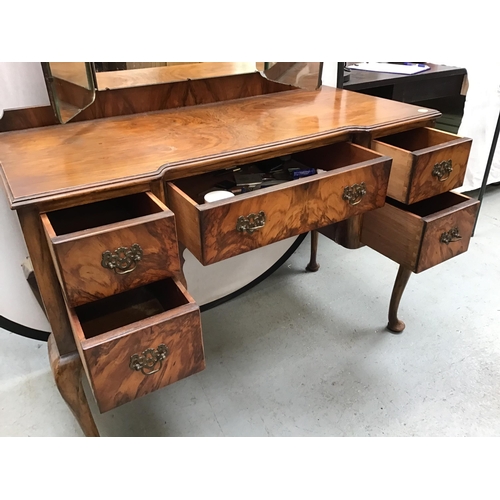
(308, 355)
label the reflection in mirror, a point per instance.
(71, 87)
(125, 74)
(305, 75)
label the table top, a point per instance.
(360, 80)
(65, 160)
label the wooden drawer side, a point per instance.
(393, 233)
(188, 219)
(426, 162)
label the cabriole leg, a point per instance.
(396, 325)
(67, 371)
(313, 266)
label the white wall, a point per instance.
(482, 107)
(21, 85)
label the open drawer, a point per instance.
(138, 341)
(426, 162)
(354, 181)
(422, 235)
(111, 246)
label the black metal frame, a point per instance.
(487, 171)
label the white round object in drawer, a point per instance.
(217, 195)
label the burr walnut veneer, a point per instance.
(106, 202)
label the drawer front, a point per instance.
(132, 361)
(419, 242)
(101, 262)
(437, 166)
(217, 231)
(447, 234)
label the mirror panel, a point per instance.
(304, 75)
(71, 87)
(122, 75)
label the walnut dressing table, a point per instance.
(108, 203)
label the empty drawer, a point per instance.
(110, 246)
(138, 341)
(426, 162)
(422, 235)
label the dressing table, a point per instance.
(108, 202)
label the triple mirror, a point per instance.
(72, 86)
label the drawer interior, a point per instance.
(430, 206)
(101, 213)
(275, 171)
(420, 138)
(129, 307)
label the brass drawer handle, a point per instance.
(123, 260)
(442, 170)
(146, 361)
(449, 236)
(251, 222)
(354, 193)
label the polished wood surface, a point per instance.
(38, 165)
(47, 280)
(414, 154)
(459, 213)
(110, 331)
(410, 235)
(166, 74)
(67, 372)
(90, 230)
(296, 207)
(396, 325)
(149, 98)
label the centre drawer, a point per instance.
(426, 162)
(353, 180)
(112, 246)
(138, 341)
(424, 234)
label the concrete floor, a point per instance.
(308, 355)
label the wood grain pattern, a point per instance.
(79, 254)
(87, 157)
(290, 209)
(395, 233)
(149, 98)
(410, 235)
(48, 283)
(21, 119)
(462, 216)
(67, 371)
(415, 153)
(107, 355)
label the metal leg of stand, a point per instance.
(487, 171)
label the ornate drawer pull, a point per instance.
(146, 361)
(354, 193)
(449, 236)
(123, 260)
(251, 222)
(442, 170)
